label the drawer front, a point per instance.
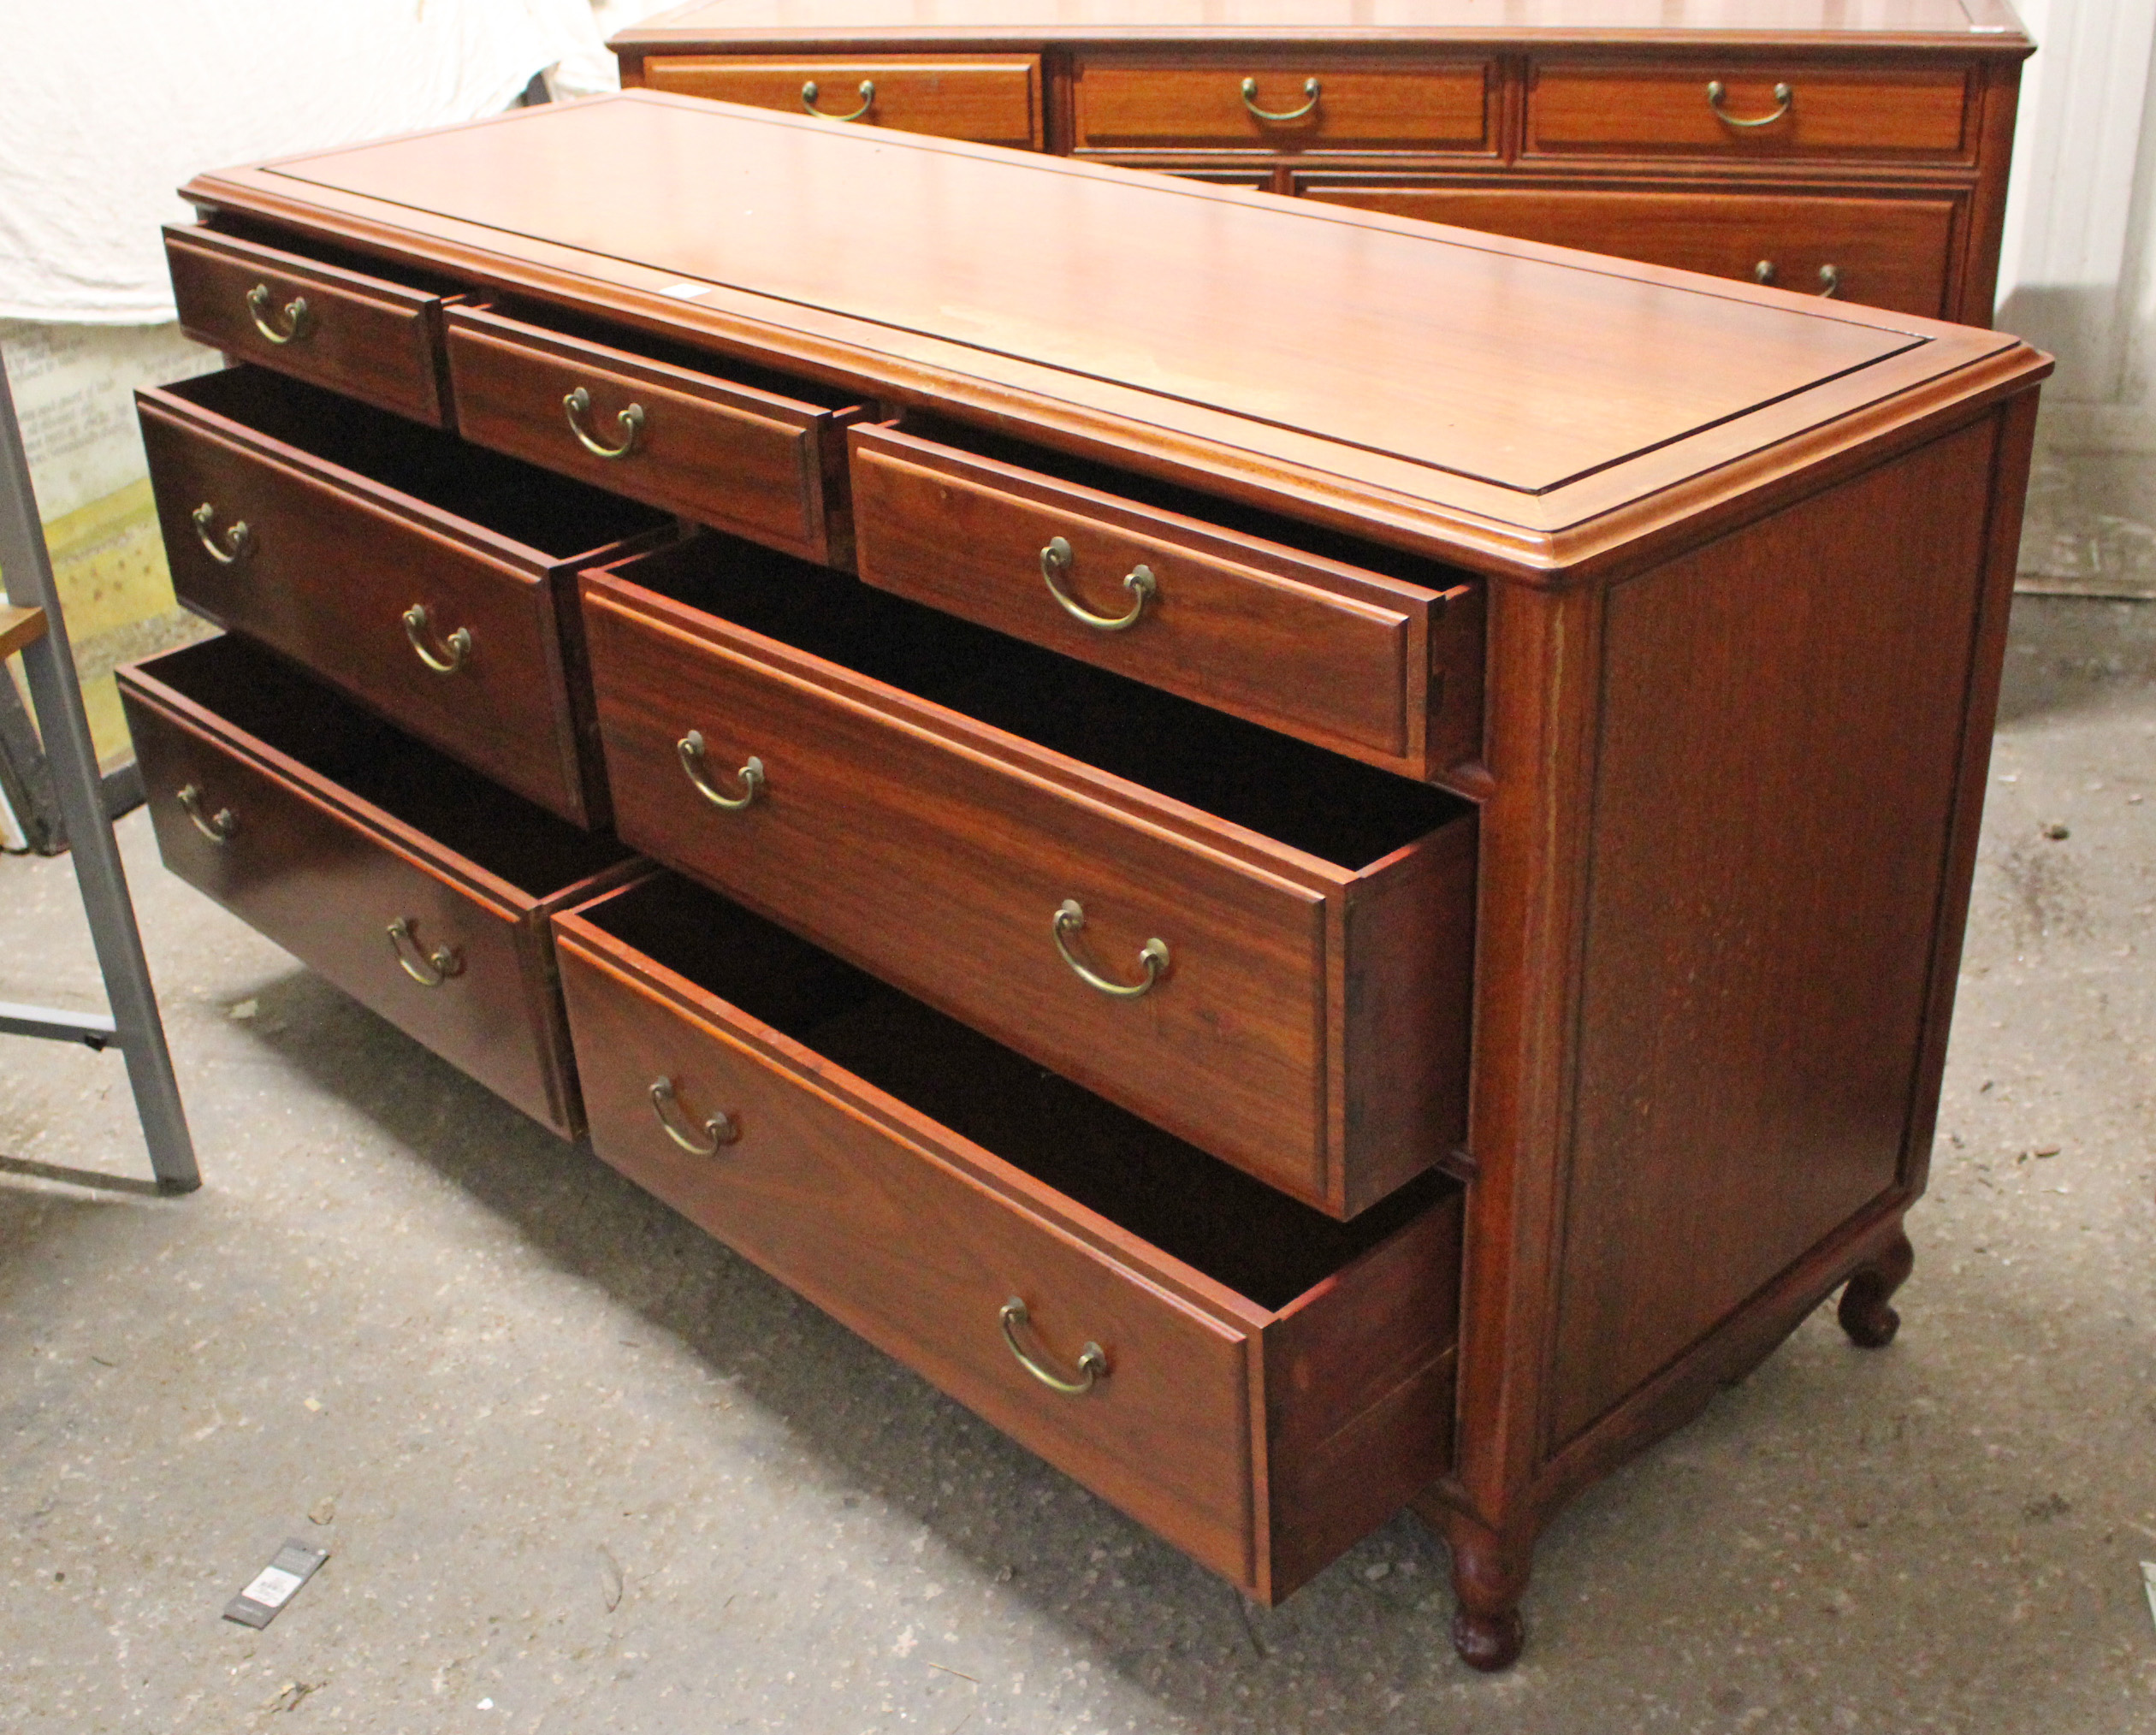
(1752, 109)
(327, 572)
(742, 459)
(326, 890)
(942, 870)
(1230, 622)
(1894, 253)
(991, 99)
(1324, 103)
(907, 1249)
(364, 336)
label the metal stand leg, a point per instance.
(51, 666)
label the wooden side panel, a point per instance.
(1410, 967)
(1781, 729)
(1359, 1391)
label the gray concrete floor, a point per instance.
(582, 1469)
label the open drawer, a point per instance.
(1363, 650)
(720, 442)
(421, 889)
(1260, 946)
(431, 579)
(366, 328)
(1260, 1384)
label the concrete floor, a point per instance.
(582, 1469)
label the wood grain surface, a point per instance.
(1790, 919)
(1546, 369)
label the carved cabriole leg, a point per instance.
(1490, 1576)
(1864, 1313)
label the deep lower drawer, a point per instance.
(1260, 1385)
(1885, 252)
(1180, 592)
(1260, 946)
(365, 334)
(1271, 101)
(990, 98)
(428, 578)
(418, 888)
(1757, 107)
(729, 446)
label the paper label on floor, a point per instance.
(272, 1586)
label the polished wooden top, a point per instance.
(1987, 25)
(1491, 397)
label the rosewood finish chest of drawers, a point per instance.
(1315, 862)
(1853, 152)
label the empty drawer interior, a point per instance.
(1335, 808)
(1190, 503)
(1214, 1219)
(558, 517)
(465, 813)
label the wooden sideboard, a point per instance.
(1308, 906)
(1856, 151)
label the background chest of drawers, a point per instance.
(1826, 149)
(1239, 868)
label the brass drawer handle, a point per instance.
(1153, 956)
(1829, 276)
(238, 540)
(630, 421)
(218, 828)
(454, 648)
(1093, 1360)
(435, 967)
(1250, 101)
(690, 747)
(720, 1129)
(809, 93)
(1784, 97)
(1139, 582)
(297, 320)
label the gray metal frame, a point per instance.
(68, 765)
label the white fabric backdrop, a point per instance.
(107, 105)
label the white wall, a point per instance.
(2075, 273)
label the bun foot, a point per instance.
(1865, 1313)
(1488, 1641)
